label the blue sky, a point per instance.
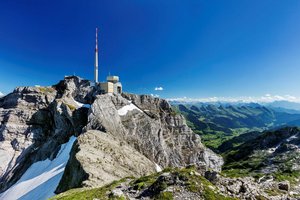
(193, 49)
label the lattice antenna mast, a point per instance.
(96, 59)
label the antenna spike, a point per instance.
(96, 58)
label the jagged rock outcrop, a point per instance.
(34, 124)
(73, 87)
(150, 126)
(118, 135)
(17, 109)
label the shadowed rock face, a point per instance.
(34, 123)
(17, 110)
(117, 129)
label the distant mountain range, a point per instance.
(284, 105)
(218, 122)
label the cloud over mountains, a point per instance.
(159, 89)
(267, 98)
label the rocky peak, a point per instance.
(37, 121)
(77, 88)
(149, 125)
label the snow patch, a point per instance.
(59, 108)
(125, 109)
(41, 178)
(291, 138)
(272, 150)
(157, 168)
(82, 105)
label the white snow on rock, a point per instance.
(272, 150)
(158, 168)
(41, 178)
(82, 105)
(291, 138)
(125, 109)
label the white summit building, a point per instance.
(112, 85)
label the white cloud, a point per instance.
(1, 94)
(267, 98)
(154, 95)
(159, 89)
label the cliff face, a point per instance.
(24, 122)
(150, 126)
(117, 136)
(35, 122)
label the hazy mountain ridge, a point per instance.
(276, 104)
(218, 122)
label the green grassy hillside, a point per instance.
(218, 123)
(272, 152)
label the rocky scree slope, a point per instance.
(111, 130)
(179, 183)
(279, 149)
(272, 156)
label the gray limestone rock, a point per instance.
(34, 123)
(284, 185)
(119, 136)
(103, 158)
(151, 127)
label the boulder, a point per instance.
(284, 185)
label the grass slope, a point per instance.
(218, 124)
(154, 187)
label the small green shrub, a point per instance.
(164, 196)
(72, 108)
(45, 90)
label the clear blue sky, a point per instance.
(190, 48)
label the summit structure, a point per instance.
(112, 84)
(96, 59)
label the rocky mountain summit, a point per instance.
(69, 139)
(69, 135)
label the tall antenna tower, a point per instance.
(96, 59)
